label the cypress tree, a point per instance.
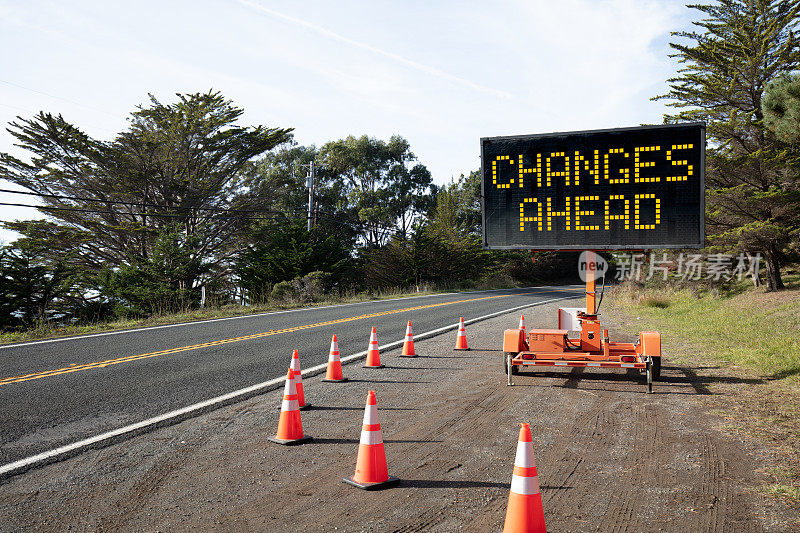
(726, 62)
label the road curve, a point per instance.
(55, 393)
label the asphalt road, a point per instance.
(55, 393)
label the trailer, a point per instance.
(591, 348)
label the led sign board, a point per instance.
(636, 188)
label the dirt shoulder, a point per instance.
(610, 456)
(748, 377)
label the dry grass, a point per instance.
(47, 331)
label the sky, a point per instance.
(441, 74)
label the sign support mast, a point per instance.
(591, 292)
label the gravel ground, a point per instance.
(610, 457)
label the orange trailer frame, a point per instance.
(554, 347)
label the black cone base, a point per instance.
(334, 380)
(373, 486)
(372, 366)
(293, 442)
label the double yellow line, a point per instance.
(170, 351)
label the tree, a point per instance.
(281, 176)
(457, 208)
(781, 108)
(444, 248)
(179, 168)
(278, 179)
(157, 284)
(383, 188)
(741, 46)
(33, 288)
(284, 250)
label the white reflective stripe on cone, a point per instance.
(295, 364)
(334, 353)
(290, 389)
(525, 485)
(524, 456)
(371, 415)
(371, 437)
(290, 405)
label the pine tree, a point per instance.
(739, 46)
(781, 108)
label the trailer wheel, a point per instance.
(655, 368)
(514, 369)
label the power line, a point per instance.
(384, 227)
(389, 229)
(138, 204)
(167, 215)
(73, 102)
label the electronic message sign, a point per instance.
(635, 188)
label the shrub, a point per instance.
(284, 292)
(311, 287)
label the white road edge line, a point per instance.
(172, 417)
(150, 328)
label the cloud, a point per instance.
(433, 71)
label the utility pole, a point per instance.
(310, 186)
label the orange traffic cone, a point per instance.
(290, 428)
(522, 323)
(524, 512)
(334, 372)
(298, 379)
(408, 345)
(373, 356)
(461, 339)
(372, 472)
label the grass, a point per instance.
(754, 328)
(46, 330)
(749, 338)
(789, 492)
(655, 301)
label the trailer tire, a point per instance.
(655, 368)
(514, 369)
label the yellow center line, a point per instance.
(170, 351)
